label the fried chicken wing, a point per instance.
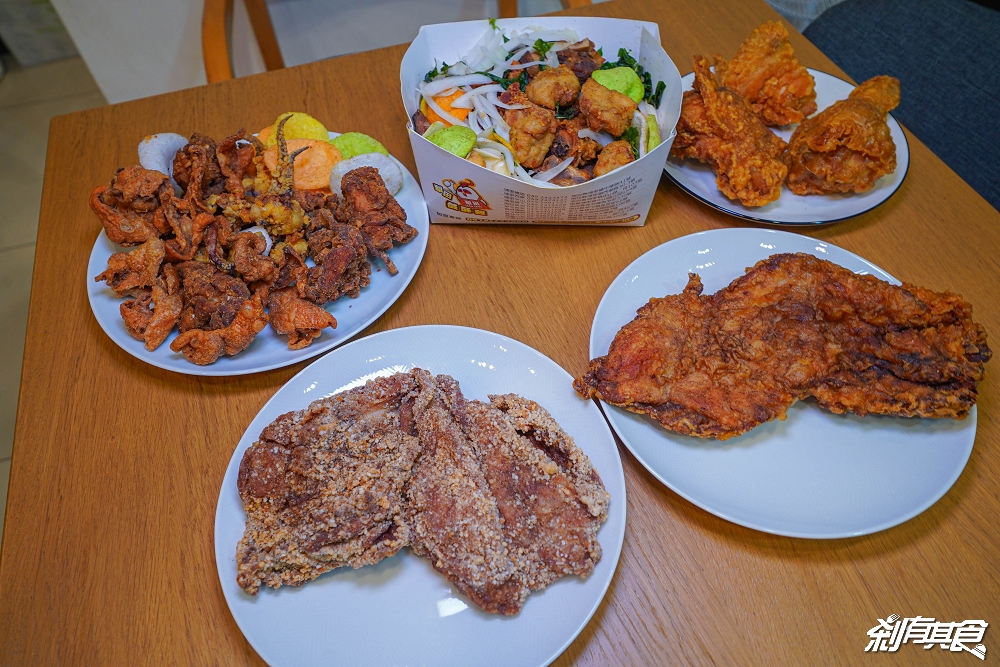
(554, 87)
(766, 73)
(606, 109)
(718, 126)
(847, 146)
(322, 487)
(297, 318)
(616, 154)
(369, 207)
(532, 129)
(793, 327)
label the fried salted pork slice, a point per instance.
(371, 209)
(793, 327)
(550, 497)
(322, 487)
(718, 126)
(453, 517)
(765, 72)
(847, 146)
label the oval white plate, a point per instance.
(269, 350)
(816, 474)
(400, 611)
(697, 179)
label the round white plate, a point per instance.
(697, 179)
(816, 474)
(269, 350)
(401, 611)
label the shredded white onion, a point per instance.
(602, 138)
(503, 150)
(441, 112)
(639, 120)
(492, 98)
(549, 174)
(257, 229)
(526, 177)
(441, 84)
(465, 101)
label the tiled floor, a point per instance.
(29, 97)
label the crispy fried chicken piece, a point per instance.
(342, 266)
(616, 154)
(553, 87)
(766, 73)
(582, 58)
(211, 297)
(128, 205)
(606, 109)
(793, 327)
(133, 269)
(204, 346)
(234, 159)
(322, 487)
(188, 224)
(452, 515)
(551, 530)
(296, 318)
(137, 314)
(569, 142)
(313, 200)
(847, 146)
(197, 170)
(368, 206)
(532, 129)
(167, 305)
(249, 259)
(718, 126)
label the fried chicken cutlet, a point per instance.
(765, 72)
(792, 327)
(718, 126)
(847, 146)
(496, 495)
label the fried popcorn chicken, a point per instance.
(606, 109)
(582, 58)
(297, 318)
(766, 73)
(133, 269)
(369, 208)
(532, 129)
(793, 327)
(847, 146)
(616, 154)
(718, 126)
(127, 206)
(554, 87)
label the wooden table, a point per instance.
(108, 549)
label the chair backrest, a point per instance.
(216, 28)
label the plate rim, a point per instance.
(812, 223)
(613, 413)
(423, 227)
(619, 536)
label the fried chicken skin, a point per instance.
(127, 207)
(205, 346)
(792, 327)
(766, 73)
(130, 270)
(718, 126)
(211, 297)
(369, 207)
(606, 109)
(297, 318)
(554, 87)
(847, 146)
(532, 129)
(616, 154)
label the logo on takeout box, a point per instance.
(893, 631)
(462, 196)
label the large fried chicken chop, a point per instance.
(718, 126)
(847, 146)
(765, 71)
(793, 327)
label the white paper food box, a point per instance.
(460, 192)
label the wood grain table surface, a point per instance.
(108, 553)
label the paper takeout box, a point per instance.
(457, 191)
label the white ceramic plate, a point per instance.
(269, 350)
(697, 179)
(400, 611)
(816, 474)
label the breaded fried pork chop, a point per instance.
(322, 487)
(793, 327)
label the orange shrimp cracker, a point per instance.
(445, 103)
(311, 169)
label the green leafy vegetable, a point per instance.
(493, 24)
(542, 47)
(436, 72)
(522, 79)
(625, 59)
(631, 135)
(565, 114)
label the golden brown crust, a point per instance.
(793, 327)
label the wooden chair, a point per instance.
(216, 24)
